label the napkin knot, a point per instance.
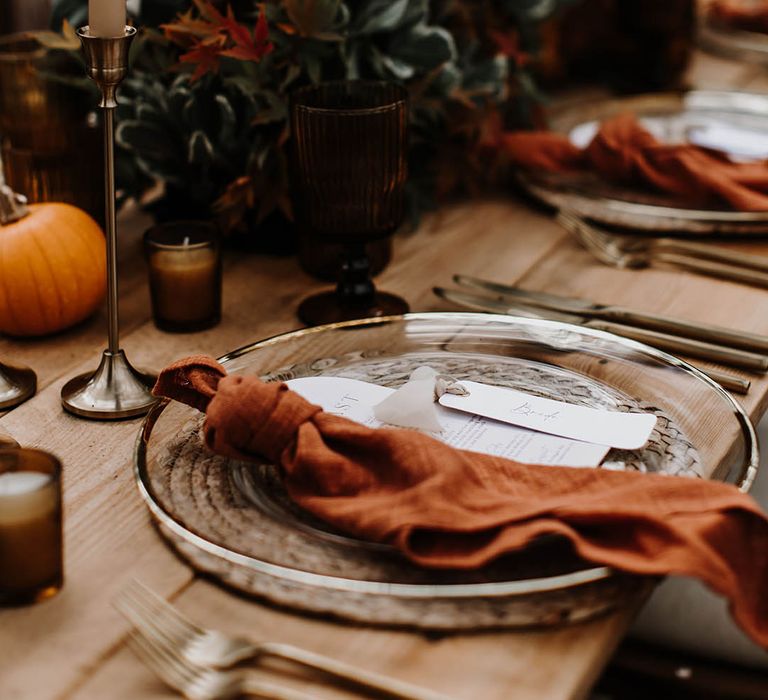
(248, 417)
(245, 416)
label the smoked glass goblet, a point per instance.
(348, 173)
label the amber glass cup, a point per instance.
(348, 173)
(31, 560)
(184, 263)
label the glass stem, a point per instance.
(355, 286)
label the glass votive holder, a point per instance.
(184, 261)
(31, 558)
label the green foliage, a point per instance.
(218, 143)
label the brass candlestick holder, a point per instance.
(17, 384)
(115, 389)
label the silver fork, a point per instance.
(636, 244)
(197, 683)
(159, 620)
(605, 249)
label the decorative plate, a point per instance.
(234, 520)
(735, 122)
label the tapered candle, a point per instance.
(106, 17)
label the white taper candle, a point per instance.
(106, 17)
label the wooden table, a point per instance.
(73, 645)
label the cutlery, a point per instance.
(609, 254)
(197, 683)
(156, 617)
(607, 312)
(662, 341)
(632, 244)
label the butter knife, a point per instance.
(697, 331)
(692, 348)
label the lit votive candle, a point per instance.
(31, 561)
(106, 18)
(184, 275)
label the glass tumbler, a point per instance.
(31, 557)
(184, 261)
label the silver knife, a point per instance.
(692, 348)
(698, 331)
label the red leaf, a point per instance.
(186, 30)
(207, 10)
(261, 33)
(238, 32)
(213, 35)
(247, 53)
(509, 46)
(206, 56)
(248, 48)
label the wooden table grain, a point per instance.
(72, 646)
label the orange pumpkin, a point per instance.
(52, 270)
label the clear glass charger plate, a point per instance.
(736, 118)
(739, 44)
(233, 520)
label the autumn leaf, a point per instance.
(238, 32)
(188, 30)
(206, 56)
(261, 32)
(213, 35)
(247, 47)
(209, 12)
(508, 45)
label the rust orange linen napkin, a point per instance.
(624, 152)
(449, 508)
(751, 16)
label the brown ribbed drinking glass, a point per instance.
(348, 173)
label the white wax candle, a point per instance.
(24, 497)
(30, 536)
(106, 17)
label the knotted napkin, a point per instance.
(624, 152)
(449, 508)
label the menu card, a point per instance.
(355, 400)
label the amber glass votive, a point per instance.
(31, 560)
(184, 263)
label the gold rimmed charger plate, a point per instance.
(671, 117)
(234, 521)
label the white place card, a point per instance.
(738, 142)
(629, 431)
(355, 400)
